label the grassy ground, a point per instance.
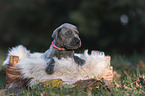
(127, 70)
(2, 70)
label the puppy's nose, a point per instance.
(77, 40)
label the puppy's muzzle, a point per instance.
(76, 40)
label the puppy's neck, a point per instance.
(62, 53)
(58, 48)
(58, 45)
(54, 52)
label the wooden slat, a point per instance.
(108, 59)
(108, 74)
(12, 73)
(13, 60)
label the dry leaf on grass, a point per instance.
(43, 94)
(127, 88)
(2, 92)
(91, 84)
(53, 83)
(116, 75)
(117, 79)
(140, 81)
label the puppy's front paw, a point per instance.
(79, 61)
(50, 67)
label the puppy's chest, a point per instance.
(64, 54)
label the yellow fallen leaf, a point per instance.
(53, 83)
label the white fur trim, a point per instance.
(65, 69)
(33, 66)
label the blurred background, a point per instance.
(112, 26)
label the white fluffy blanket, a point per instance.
(32, 65)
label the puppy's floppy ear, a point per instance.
(55, 33)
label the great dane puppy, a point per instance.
(66, 39)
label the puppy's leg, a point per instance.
(79, 61)
(50, 67)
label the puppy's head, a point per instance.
(67, 36)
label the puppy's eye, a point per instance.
(68, 33)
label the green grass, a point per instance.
(2, 58)
(127, 68)
(2, 70)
